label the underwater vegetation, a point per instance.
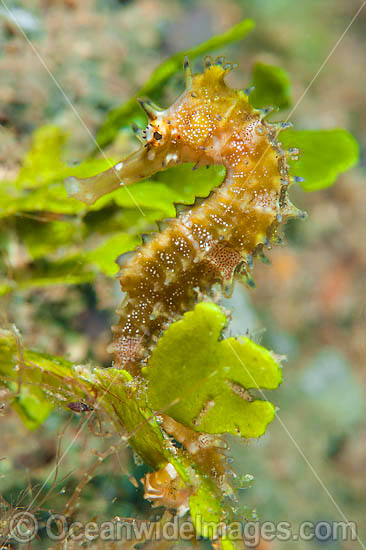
(179, 221)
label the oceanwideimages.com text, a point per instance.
(24, 527)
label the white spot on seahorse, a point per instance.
(171, 156)
(119, 166)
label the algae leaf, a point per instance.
(39, 185)
(126, 113)
(324, 154)
(70, 270)
(31, 400)
(203, 382)
(32, 405)
(272, 87)
(104, 256)
(43, 161)
(41, 238)
(39, 381)
(178, 185)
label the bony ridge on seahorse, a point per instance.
(215, 240)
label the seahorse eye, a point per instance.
(157, 136)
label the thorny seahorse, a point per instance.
(216, 239)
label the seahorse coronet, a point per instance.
(214, 240)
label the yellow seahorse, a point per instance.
(210, 123)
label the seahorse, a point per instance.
(216, 239)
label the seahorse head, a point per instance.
(190, 130)
(197, 128)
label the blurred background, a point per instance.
(307, 304)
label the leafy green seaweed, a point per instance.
(71, 270)
(32, 405)
(42, 238)
(324, 154)
(18, 373)
(211, 374)
(207, 383)
(44, 379)
(178, 185)
(39, 381)
(43, 164)
(45, 152)
(104, 256)
(272, 87)
(189, 376)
